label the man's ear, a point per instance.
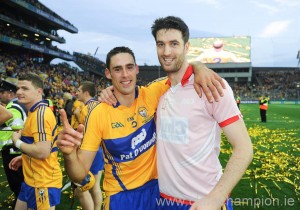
(107, 73)
(187, 47)
(40, 91)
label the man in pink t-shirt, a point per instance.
(189, 132)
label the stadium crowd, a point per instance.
(61, 78)
(58, 78)
(278, 85)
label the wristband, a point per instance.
(18, 143)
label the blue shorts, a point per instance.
(141, 198)
(171, 203)
(39, 198)
(98, 163)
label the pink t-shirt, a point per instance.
(188, 142)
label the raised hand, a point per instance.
(69, 139)
(209, 81)
(107, 96)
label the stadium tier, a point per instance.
(33, 29)
(89, 63)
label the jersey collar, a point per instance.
(136, 95)
(185, 77)
(91, 100)
(38, 104)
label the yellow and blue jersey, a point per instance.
(41, 125)
(88, 107)
(98, 162)
(128, 138)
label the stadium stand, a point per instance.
(279, 83)
(28, 30)
(27, 38)
(89, 63)
(31, 26)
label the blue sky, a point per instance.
(273, 25)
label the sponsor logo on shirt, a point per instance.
(117, 125)
(174, 130)
(138, 139)
(141, 148)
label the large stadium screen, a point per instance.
(235, 49)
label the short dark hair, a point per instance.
(116, 51)
(36, 81)
(89, 87)
(171, 22)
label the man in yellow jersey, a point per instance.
(42, 174)
(127, 133)
(92, 198)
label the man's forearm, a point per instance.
(75, 167)
(233, 172)
(40, 150)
